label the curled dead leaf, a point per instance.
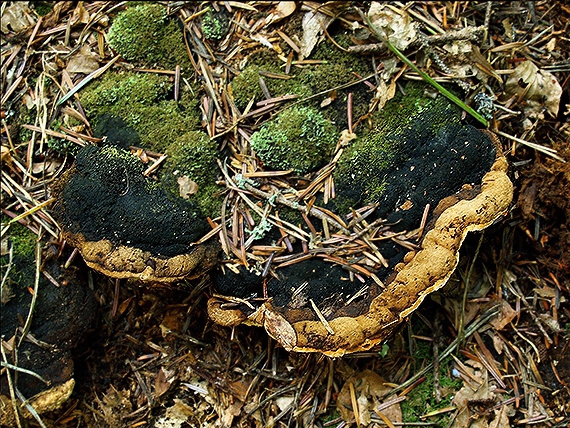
(384, 93)
(539, 88)
(282, 10)
(16, 18)
(396, 27)
(186, 187)
(504, 317)
(6, 157)
(84, 61)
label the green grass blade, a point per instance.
(426, 77)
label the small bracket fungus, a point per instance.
(126, 227)
(312, 318)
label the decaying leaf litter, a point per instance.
(498, 356)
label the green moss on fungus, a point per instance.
(338, 70)
(194, 155)
(397, 129)
(299, 138)
(23, 243)
(144, 33)
(160, 125)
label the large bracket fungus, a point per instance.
(414, 187)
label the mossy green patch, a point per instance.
(421, 400)
(23, 242)
(141, 101)
(194, 155)
(214, 25)
(145, 34)
(160, 125)
(42, 7)
(121, 90)
(339, 68)
(246, 85)
(299, 138)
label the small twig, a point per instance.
(22, 370)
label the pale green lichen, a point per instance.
(299, 138)
(144, 33)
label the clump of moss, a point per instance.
(214, 25)
(140, 100)
(42, 7)
(245, 86)
(160, 125)
(421, 399)
(144, 33)
(120, 91)
(22, 270)
(339, 69)
(299, 138)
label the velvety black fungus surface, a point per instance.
(108, 198)
(433, 167)
(116, 131)
(313, 279)
(61, 317)
(227, 282)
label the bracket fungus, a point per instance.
(123, 225)
(407, 194)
